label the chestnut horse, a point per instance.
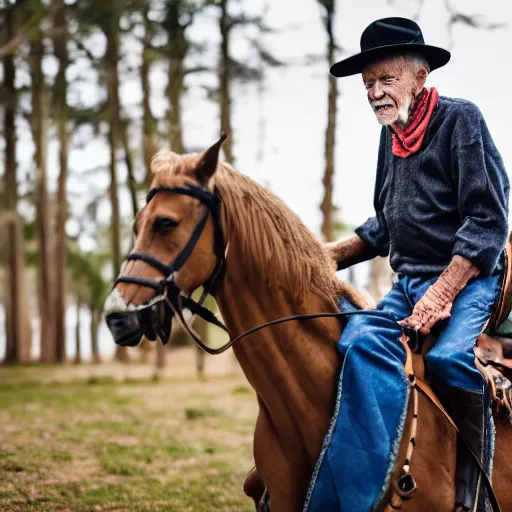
(276, 268)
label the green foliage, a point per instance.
(93, 14)
(123, 460)
(29, 230)
(193, 413)
(89, 116)
(242, 390)
(87, 278)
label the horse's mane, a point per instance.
(274, 239)
(270, 236)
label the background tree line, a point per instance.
(37, 247)
(50, 51)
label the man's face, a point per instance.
(392, 86)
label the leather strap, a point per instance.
(503, 307)
(427, 391)
(397, 496)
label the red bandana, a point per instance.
(408, 141)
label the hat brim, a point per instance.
(435, 56)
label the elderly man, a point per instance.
(441, 202)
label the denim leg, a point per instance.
(374, 393)
(452, 358)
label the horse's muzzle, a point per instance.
(150, 320)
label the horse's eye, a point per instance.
(163, 225)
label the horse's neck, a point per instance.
(293, 368)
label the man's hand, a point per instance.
(348, 252)
(437, 302)
(332, 250)
(429, 310)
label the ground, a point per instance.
(110, 437)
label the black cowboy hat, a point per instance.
(390, 36)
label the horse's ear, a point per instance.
(208, 160)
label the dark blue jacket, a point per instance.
(451, 197)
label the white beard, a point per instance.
(404, 112)
(402, 115)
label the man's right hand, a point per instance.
(331, 248)
(348, 252)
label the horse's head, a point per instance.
(178, 247)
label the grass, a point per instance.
(99, 443)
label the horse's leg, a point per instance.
(254, 487)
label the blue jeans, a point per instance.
(373, 390)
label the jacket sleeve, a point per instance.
(374, 232)
(483, 189)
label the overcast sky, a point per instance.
(294, 104)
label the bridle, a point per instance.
(167, 292)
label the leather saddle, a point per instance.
(493, 348)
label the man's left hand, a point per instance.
(437, 302)
(429, 310)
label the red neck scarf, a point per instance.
(408, 141)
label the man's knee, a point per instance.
(440, 362)
(454, 367)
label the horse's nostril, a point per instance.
(125, 328)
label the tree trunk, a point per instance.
(61, 112)
(132, 182)
(148, 121)
(112, 56)
(201, 327)
(175, 89)
(380, 278)
(49, 353)
(18, 332)
(113, 107)
(326, 206)
(225, 81)
(18, 336)
(95, 322)
(144, 348)
(351, 276)
(161, 351)
(78, 337)
(177, 45)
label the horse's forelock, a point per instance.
(166, 161)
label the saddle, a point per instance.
(493, 348)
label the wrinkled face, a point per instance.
(392, 86)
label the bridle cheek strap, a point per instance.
(167, 270)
